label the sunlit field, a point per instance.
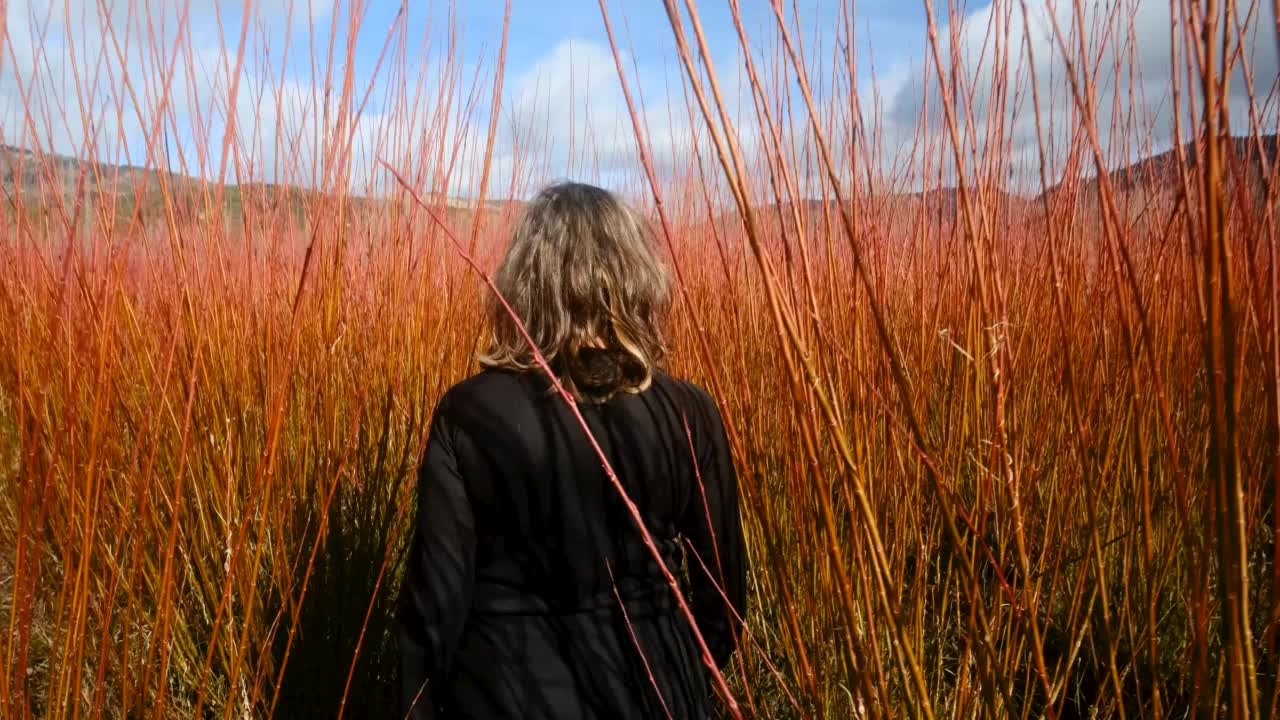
(1006, 415)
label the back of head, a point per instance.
(585, 276)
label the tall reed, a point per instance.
(1007, 422)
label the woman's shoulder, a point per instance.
(487, 404)
(688, 393)
(488, 385)
(507, 389)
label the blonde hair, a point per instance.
(585, 276)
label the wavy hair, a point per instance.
(585, 275)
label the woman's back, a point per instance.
(524, 550)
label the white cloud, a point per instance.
(97, 71)
(568, 114)
(1138, 98)
(564, 115)
(568, 110)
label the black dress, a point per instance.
(510, 604)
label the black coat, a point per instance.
(510, 604)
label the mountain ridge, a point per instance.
(22, 169)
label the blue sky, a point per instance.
(77, 57)
(537, 27)
(547, 43)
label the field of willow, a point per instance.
(1006, 421)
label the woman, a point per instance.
(529, 592)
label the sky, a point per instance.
(92, 79)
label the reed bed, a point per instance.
(1006, 423)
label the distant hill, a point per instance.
(945, 202)
(1149, 176)
(35, 177)
(22, 172)
(1161, 171)
(939, 203)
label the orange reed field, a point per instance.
(1008, 447)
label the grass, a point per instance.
(1001, 455)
